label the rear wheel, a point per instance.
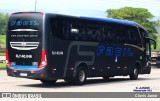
(134, 74)
(48, 82)
(81, 76)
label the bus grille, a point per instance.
(24, 45)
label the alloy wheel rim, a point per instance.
(81, 75)
(135, 72)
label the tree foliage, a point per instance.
(158, 26)
(139, 15)
(3, 23)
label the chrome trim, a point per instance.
(17, 30)
(140, 48)
(24, 45)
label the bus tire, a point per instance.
(48, 82)
(134, 74)
(81, 76)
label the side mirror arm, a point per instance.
(150, 39)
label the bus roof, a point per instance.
(124, 22)
(110, 20)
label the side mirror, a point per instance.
(150, 39)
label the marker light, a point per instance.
(7, 59)
(41, 13)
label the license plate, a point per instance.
(23, 74)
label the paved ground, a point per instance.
(116, 84)
(2, 58)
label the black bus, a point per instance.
(48, 47)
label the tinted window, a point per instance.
(25, 21)
(94, 33)
(77, 31)
(109, 35)
(134, 37)
(144, 34)
(66, 29)
(25, 27)
(122, 35)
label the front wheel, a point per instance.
(48, 82)
(81, 76)
(134, 75)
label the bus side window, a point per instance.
(143, 32)
(144, 35)
(66, 32)
(74, 32)
(105, 36)
(134, 37)
(121, 36)
(94, 33)
(58, 28)
(109, 35)
(77, 31)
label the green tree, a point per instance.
(158, 43)
(158, 26)
(158, 36)
(3, 23)
(139, 15)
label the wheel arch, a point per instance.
(138, 66)
(84, 65)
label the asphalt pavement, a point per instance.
(115, 84)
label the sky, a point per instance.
(78, 7)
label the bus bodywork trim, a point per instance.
(76, 43)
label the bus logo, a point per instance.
(112, 51)
(24, 23)
(23, 44)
